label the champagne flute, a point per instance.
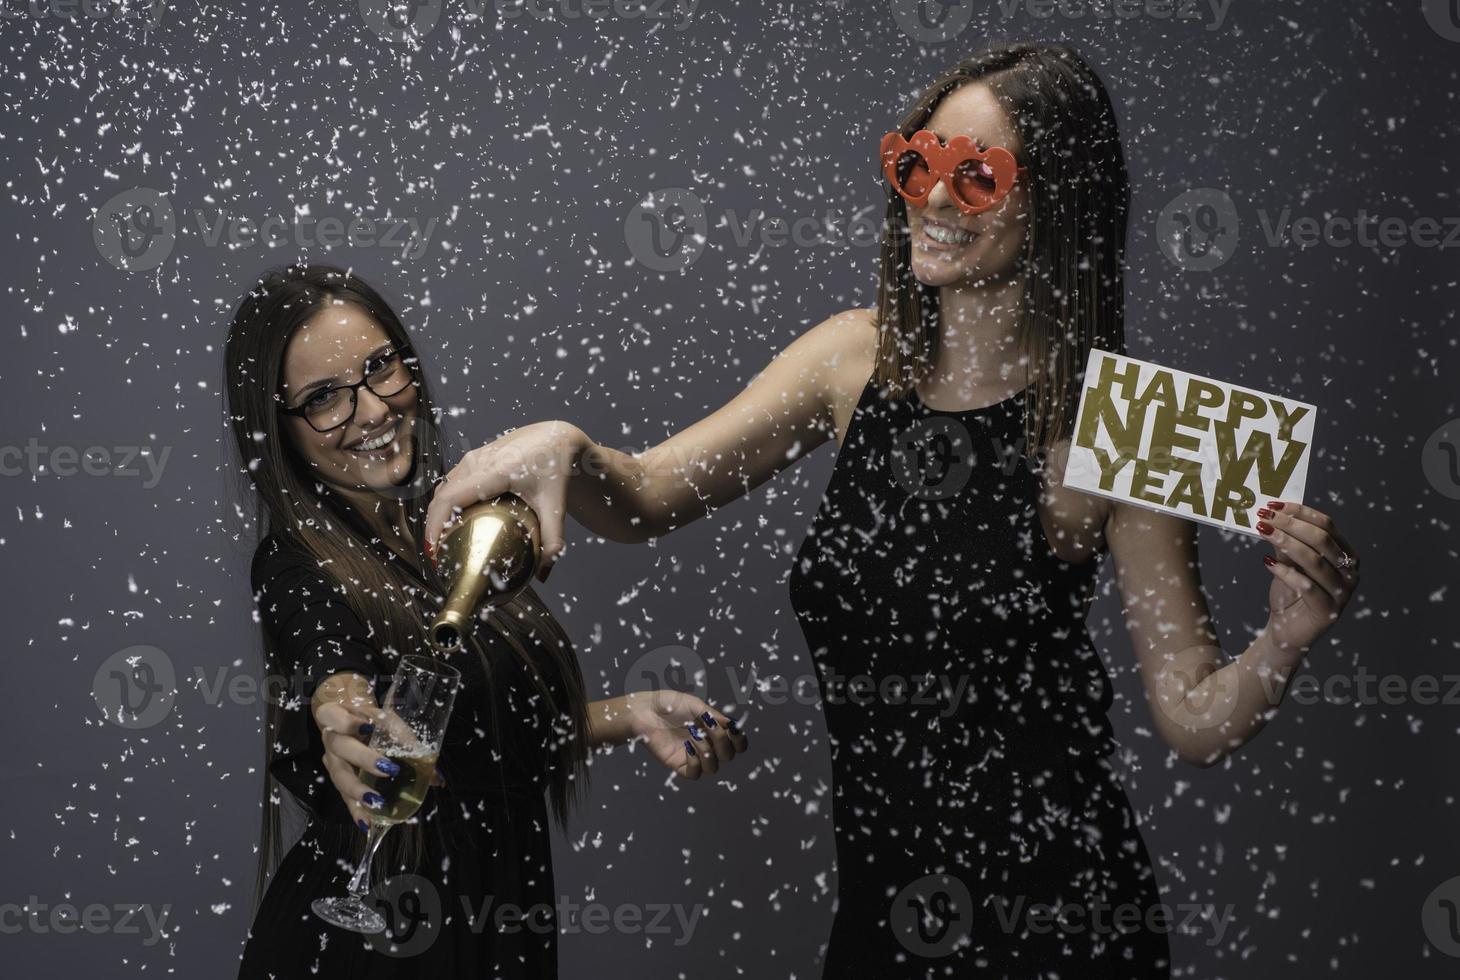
(410, 732)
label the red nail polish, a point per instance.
(1263, 527)
(1264, 512)
(1275, 504)
(1269, 560)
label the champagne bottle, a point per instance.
(486, 560)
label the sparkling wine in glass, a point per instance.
(409, 731)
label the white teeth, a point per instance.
(948, 236)
(379, 442)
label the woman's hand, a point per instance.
(683, 732)
(535, 462)
(1315, 573)
(345, 711)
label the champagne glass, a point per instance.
(410, 732)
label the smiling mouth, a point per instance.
(375, 444)
(945, 235)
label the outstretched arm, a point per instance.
(787, 410)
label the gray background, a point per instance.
(529, 141)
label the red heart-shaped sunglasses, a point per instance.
(976, 179)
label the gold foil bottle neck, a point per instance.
(486, 559)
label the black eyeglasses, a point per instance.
(386, 374)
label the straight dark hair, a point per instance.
(322, 527)
(1074, 252)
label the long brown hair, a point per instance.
(1074, 252)
(307, 518)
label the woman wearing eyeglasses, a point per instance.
(335, 430)
(980, 830)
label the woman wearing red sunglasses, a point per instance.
(980, 829)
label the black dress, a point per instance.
(966, 712)
(480, 902)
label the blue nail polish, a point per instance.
(373, 800)
(364, 827)
(689, 747)
(708, 720)
(695, 731)
(367, 728)
(388, 767)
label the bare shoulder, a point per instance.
(845, 348)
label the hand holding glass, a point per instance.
(409, 731)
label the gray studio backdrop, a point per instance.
(525, 183)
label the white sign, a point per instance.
(1187, 445)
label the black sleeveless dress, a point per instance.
(980, 831)
(479, 902)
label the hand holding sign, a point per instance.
(1186, 445)
(1216, 453)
